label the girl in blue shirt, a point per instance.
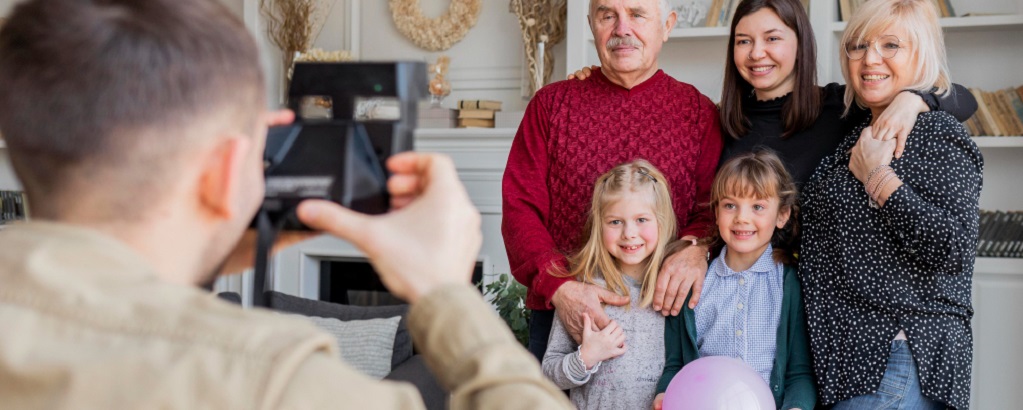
(750, 306)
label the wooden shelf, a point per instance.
(699, 32)
(998, 141)
(1002, 266)
(965, 23)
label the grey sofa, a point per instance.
(405, 364)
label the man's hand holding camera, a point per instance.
(431, 241)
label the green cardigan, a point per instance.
(791, 378)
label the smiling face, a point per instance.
(628, 35)
(746, 224)
(875, 79)
(765, 53)
(629, 230)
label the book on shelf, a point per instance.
(713, 13)
(983, 115)
(1000, 234)
(999, 113)
(476, 113)
(430, 116)
(1009, 111)
(475, 123)
(12, 207)
(479, 105)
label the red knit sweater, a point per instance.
(574, 131)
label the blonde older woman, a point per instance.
(889, 245)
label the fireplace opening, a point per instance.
(354, 282)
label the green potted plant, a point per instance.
(509, 297)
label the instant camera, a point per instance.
(350, 117)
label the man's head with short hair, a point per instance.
(628, 35)
(143, 119)
(106, 96)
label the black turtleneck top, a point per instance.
(802, 151)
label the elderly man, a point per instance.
(575, 130)
(137, 129)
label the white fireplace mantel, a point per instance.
(479, 155)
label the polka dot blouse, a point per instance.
(868, 272)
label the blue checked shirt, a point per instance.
(738, 312)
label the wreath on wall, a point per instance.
(435, 34)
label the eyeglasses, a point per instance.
(886, 47)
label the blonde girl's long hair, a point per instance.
(592, 259)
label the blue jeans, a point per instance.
(900, 387)
(540, 322)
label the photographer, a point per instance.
(133, 126)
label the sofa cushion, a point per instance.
(402, 350)
(364, 344)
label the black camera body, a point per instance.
(350, 117)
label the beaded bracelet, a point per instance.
(875, 170)
(874, 180)
(877, 190)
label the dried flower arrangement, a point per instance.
(435, 34)
(543, 25)
(292, 25)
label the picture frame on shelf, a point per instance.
(691, 13)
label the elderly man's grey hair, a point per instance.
(665, 10)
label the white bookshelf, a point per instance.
(999, 142)
(970, 23)
(999, 266)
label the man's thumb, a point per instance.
(331, 218)
(612, 298)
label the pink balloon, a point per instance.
(717, 383)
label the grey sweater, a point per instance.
(628, 381)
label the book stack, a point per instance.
(848, 7)
(430, 116)
(477, 113)
(12, 206)
(1001, 234)
(999, 113)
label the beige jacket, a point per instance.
(86, 324)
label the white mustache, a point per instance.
(622, 41)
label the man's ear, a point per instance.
(670, 24)
(222, 175)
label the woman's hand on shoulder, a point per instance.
(869, 153)
(583, 73)
(658, 401)
(898, 119)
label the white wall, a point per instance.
(486, 64)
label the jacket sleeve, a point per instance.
(934, 215)
(526, 206)
(323, 381)
(476, 356)
(800, 391)
(958, 101)
(701, 217)
(674, 331)
(466, 346)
